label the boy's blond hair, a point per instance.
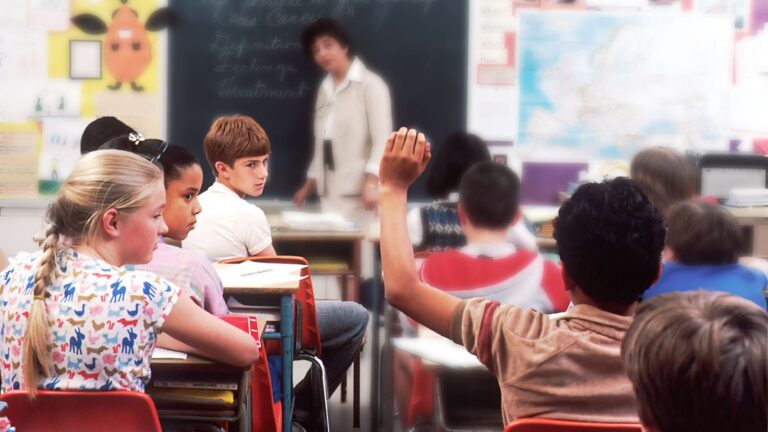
(698, 362)
(234, 137)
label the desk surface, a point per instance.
(438, 352)
(281, 231)
(749, 212)
(252, 285)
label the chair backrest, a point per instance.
(65, 411)
(310, 333)
(548, 425)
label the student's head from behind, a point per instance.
(665, 175)
(183, 178)
(697, 361)
(100, 131)
(488, 199)
(700, 233)
(327, 43)
(110, 206)
(458, 153)
(238, 149)
(609, 237)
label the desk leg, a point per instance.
(286, 334)
(377, 301)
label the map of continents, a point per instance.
(603, 85)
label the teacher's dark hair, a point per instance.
(325, 27)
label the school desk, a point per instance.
(381, 358)
(285, 295)
(329, 253)
(454, 370)
(754, 221)
(195, 369)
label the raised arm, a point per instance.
(406, 154)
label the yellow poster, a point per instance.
(129, 51)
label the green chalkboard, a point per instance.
(245, 56)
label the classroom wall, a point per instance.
(558, 85)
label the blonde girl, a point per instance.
(71, 317)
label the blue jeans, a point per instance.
(342, 327)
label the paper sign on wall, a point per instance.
(60, 151)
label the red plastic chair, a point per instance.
(548, 425)
(75, 411)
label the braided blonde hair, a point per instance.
(101, 180)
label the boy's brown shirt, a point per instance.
(566, 368)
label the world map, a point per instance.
(604, 85)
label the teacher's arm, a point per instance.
(378, 106)
(315, 167)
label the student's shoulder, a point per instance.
(144, 281)
(508, 319)
(20, 267)
(758, 276)
(249, 212)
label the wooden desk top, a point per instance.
(280, 231)
(280, 288)
(746, 214)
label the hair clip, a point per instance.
(135, 137)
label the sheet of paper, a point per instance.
(61, 147)
(57, 97)
(49, 15)
(258, 275)
(162, 353)
(18, 159)
(23, 54)
(14, 14)
(438, 350)
(317, 221)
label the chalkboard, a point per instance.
(245, 56)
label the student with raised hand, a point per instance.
(73, 318)
(183, 177)
(488, 266)
(609, 237)
(703, 245)
(697, 361)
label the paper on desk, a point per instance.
(256, 274)
(317, 221)
(162, 353)
(438, 350)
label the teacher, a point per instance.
(352, 120)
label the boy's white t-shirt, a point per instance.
(228, 226)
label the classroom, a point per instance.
(384, 215)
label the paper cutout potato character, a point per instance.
(127, 50)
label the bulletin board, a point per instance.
(55, 78)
